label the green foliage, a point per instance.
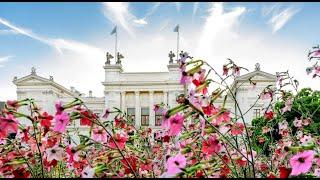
(306, 104)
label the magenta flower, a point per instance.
(301, 162)
(62, 121)
(175, 124)
(106, 113)
(175, 164)
(59, 107)
(8, 125)
(185, 78)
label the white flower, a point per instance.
(87, 172)
(55, 152)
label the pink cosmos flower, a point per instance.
(301, 162)
(175, 124)
(175, 164)
(61, 122)
(288, 106)
(100, 135)
(87, 172)
(55, 152)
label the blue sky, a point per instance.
(69, 40)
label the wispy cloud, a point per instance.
(218, 23)
(178, 6)
(152, 10)
(195, 8)
(266, 10)
(7, 31)
(277, 21)
(118, 13)
(4, 59)
(59, 44)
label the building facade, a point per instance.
(136, 92)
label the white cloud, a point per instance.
(152, 10)
(7, 31)
(178, 6)
(195, 8)
(277, 21)
(140, 21)
(4, 59)
(119, 14)
(266, 10)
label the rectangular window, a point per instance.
(131, 114)
(256, 113)
(158, 118)
(144, 116)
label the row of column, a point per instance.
(138, 106)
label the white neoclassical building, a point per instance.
(137, 92)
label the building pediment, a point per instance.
(258, 76)
(35, 80)
(31, 79)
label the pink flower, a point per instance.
(55, 152)
(306, 122)
(237, 128)
(306, 139)
(72, 153)
(317, 172)
(175, 164)
(224, 117)
(211, 145)
(225, 70)
(175, 124)
(288, 106)
(283, 125)
(301, 162)
(8, 125)
(120, 139)
(100, 135)
(185, 78)
(61, 122)
(59, 107)
(106, 113)
(297, 122)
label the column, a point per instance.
(123, 101)
(138, 109)
(165, 97)
(151, 112)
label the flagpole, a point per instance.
(116, 44)
(178, 44)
